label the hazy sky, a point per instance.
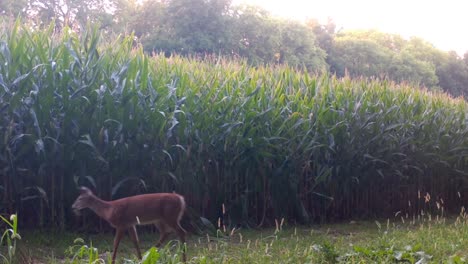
(443, 23)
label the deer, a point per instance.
(164, 210)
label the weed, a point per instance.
(10, 236)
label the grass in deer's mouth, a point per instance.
(356, 242)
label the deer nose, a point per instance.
(75, 206)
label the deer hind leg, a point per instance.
(181, 233)
(134, 236)
(118, 236)
(164, 232)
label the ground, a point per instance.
(383, 241)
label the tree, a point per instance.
(183, 26)
(405, 67)
(73, 13)
(298, 47)
(13, 8)
(126, 12)
(358, 57)
(199, 25)
(255, 35)
(262, 39)
(453, 75)
(324, 34)
(375, 54)
(143, 19)
(150, 24)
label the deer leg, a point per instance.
(118, 236)
(134, 236)
(163, 233)
(181, 233)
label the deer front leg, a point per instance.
(134, 236)
(118, 236)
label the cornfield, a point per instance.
(265, 143)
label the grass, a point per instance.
(389, 241)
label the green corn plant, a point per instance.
(79, 252)
(268, 142)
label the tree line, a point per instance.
(201, 27)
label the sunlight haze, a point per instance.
(443, 23)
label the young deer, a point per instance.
(161, 209)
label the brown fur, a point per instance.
(164, 210)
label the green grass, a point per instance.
(438, 241)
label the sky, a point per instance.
(442, 23)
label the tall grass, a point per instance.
(267, 142)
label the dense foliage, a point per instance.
(374, 54)
(267, 142)
(199, 27)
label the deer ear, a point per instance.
(84, 190)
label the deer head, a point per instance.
(83, 201)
